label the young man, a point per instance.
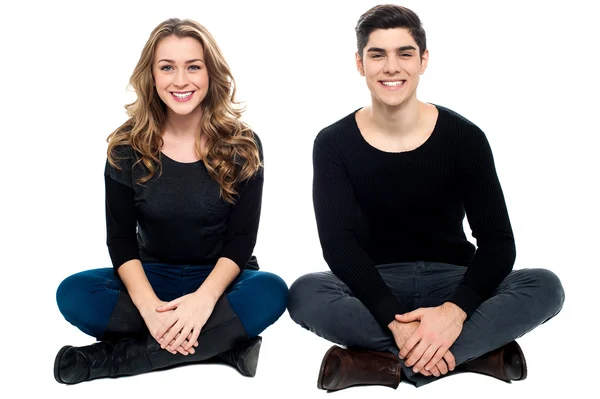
(407, 292)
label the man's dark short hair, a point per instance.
(389, 16)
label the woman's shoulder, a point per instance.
(258, 141)
(123, 152)
(119, 163)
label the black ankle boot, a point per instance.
(222, 332)
(245, 358)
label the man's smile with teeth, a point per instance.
(392, 84)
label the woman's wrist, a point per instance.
(204, 294)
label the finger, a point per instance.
(436, 357)
(192, 350)
(161, 332)
(410, 316)
(416, 354)
(187, 343)
(163, 340)
(172, 343)
(183, 346)
(181, 350)
(435, 371)
(442, 367)
(410, 343)
(425, 373)
(193, 339)
(450, 360)
(168, 349)
(169, 306)
(179, 340)
(164, 328)
(172, 333)
(425, 358)
(188, 338)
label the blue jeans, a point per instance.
(87, 299)
(527, 298)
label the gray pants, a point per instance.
(323, 304)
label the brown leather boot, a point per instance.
(343, 368)
(506, 363)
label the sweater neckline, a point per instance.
(175, 162)
(421, 147)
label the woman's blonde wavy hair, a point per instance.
(230, 154)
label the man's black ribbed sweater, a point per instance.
(374, 207)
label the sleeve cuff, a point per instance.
(465, 298)
(385, 311)
(122, 251)
(238, 251)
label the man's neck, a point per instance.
(400, 121)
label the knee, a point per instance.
(275, 291)
(552, 291)
(77, 296)
(67, 295)
(303, 293)
(259, 301)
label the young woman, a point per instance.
(183, 180)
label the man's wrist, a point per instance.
(391, 325)
(460, 314)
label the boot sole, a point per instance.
(322, 368)
(251, 356)
(57, 362)
(517, 348)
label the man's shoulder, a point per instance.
(458, 128)
(467, 137)
(339, 130)
(452, 116)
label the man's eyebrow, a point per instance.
(380, 50)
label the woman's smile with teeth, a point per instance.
(182, 95)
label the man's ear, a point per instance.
(424, 61)
(359, 64)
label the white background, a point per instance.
(524, 71)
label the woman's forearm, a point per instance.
(134, 278)
(223, 274)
